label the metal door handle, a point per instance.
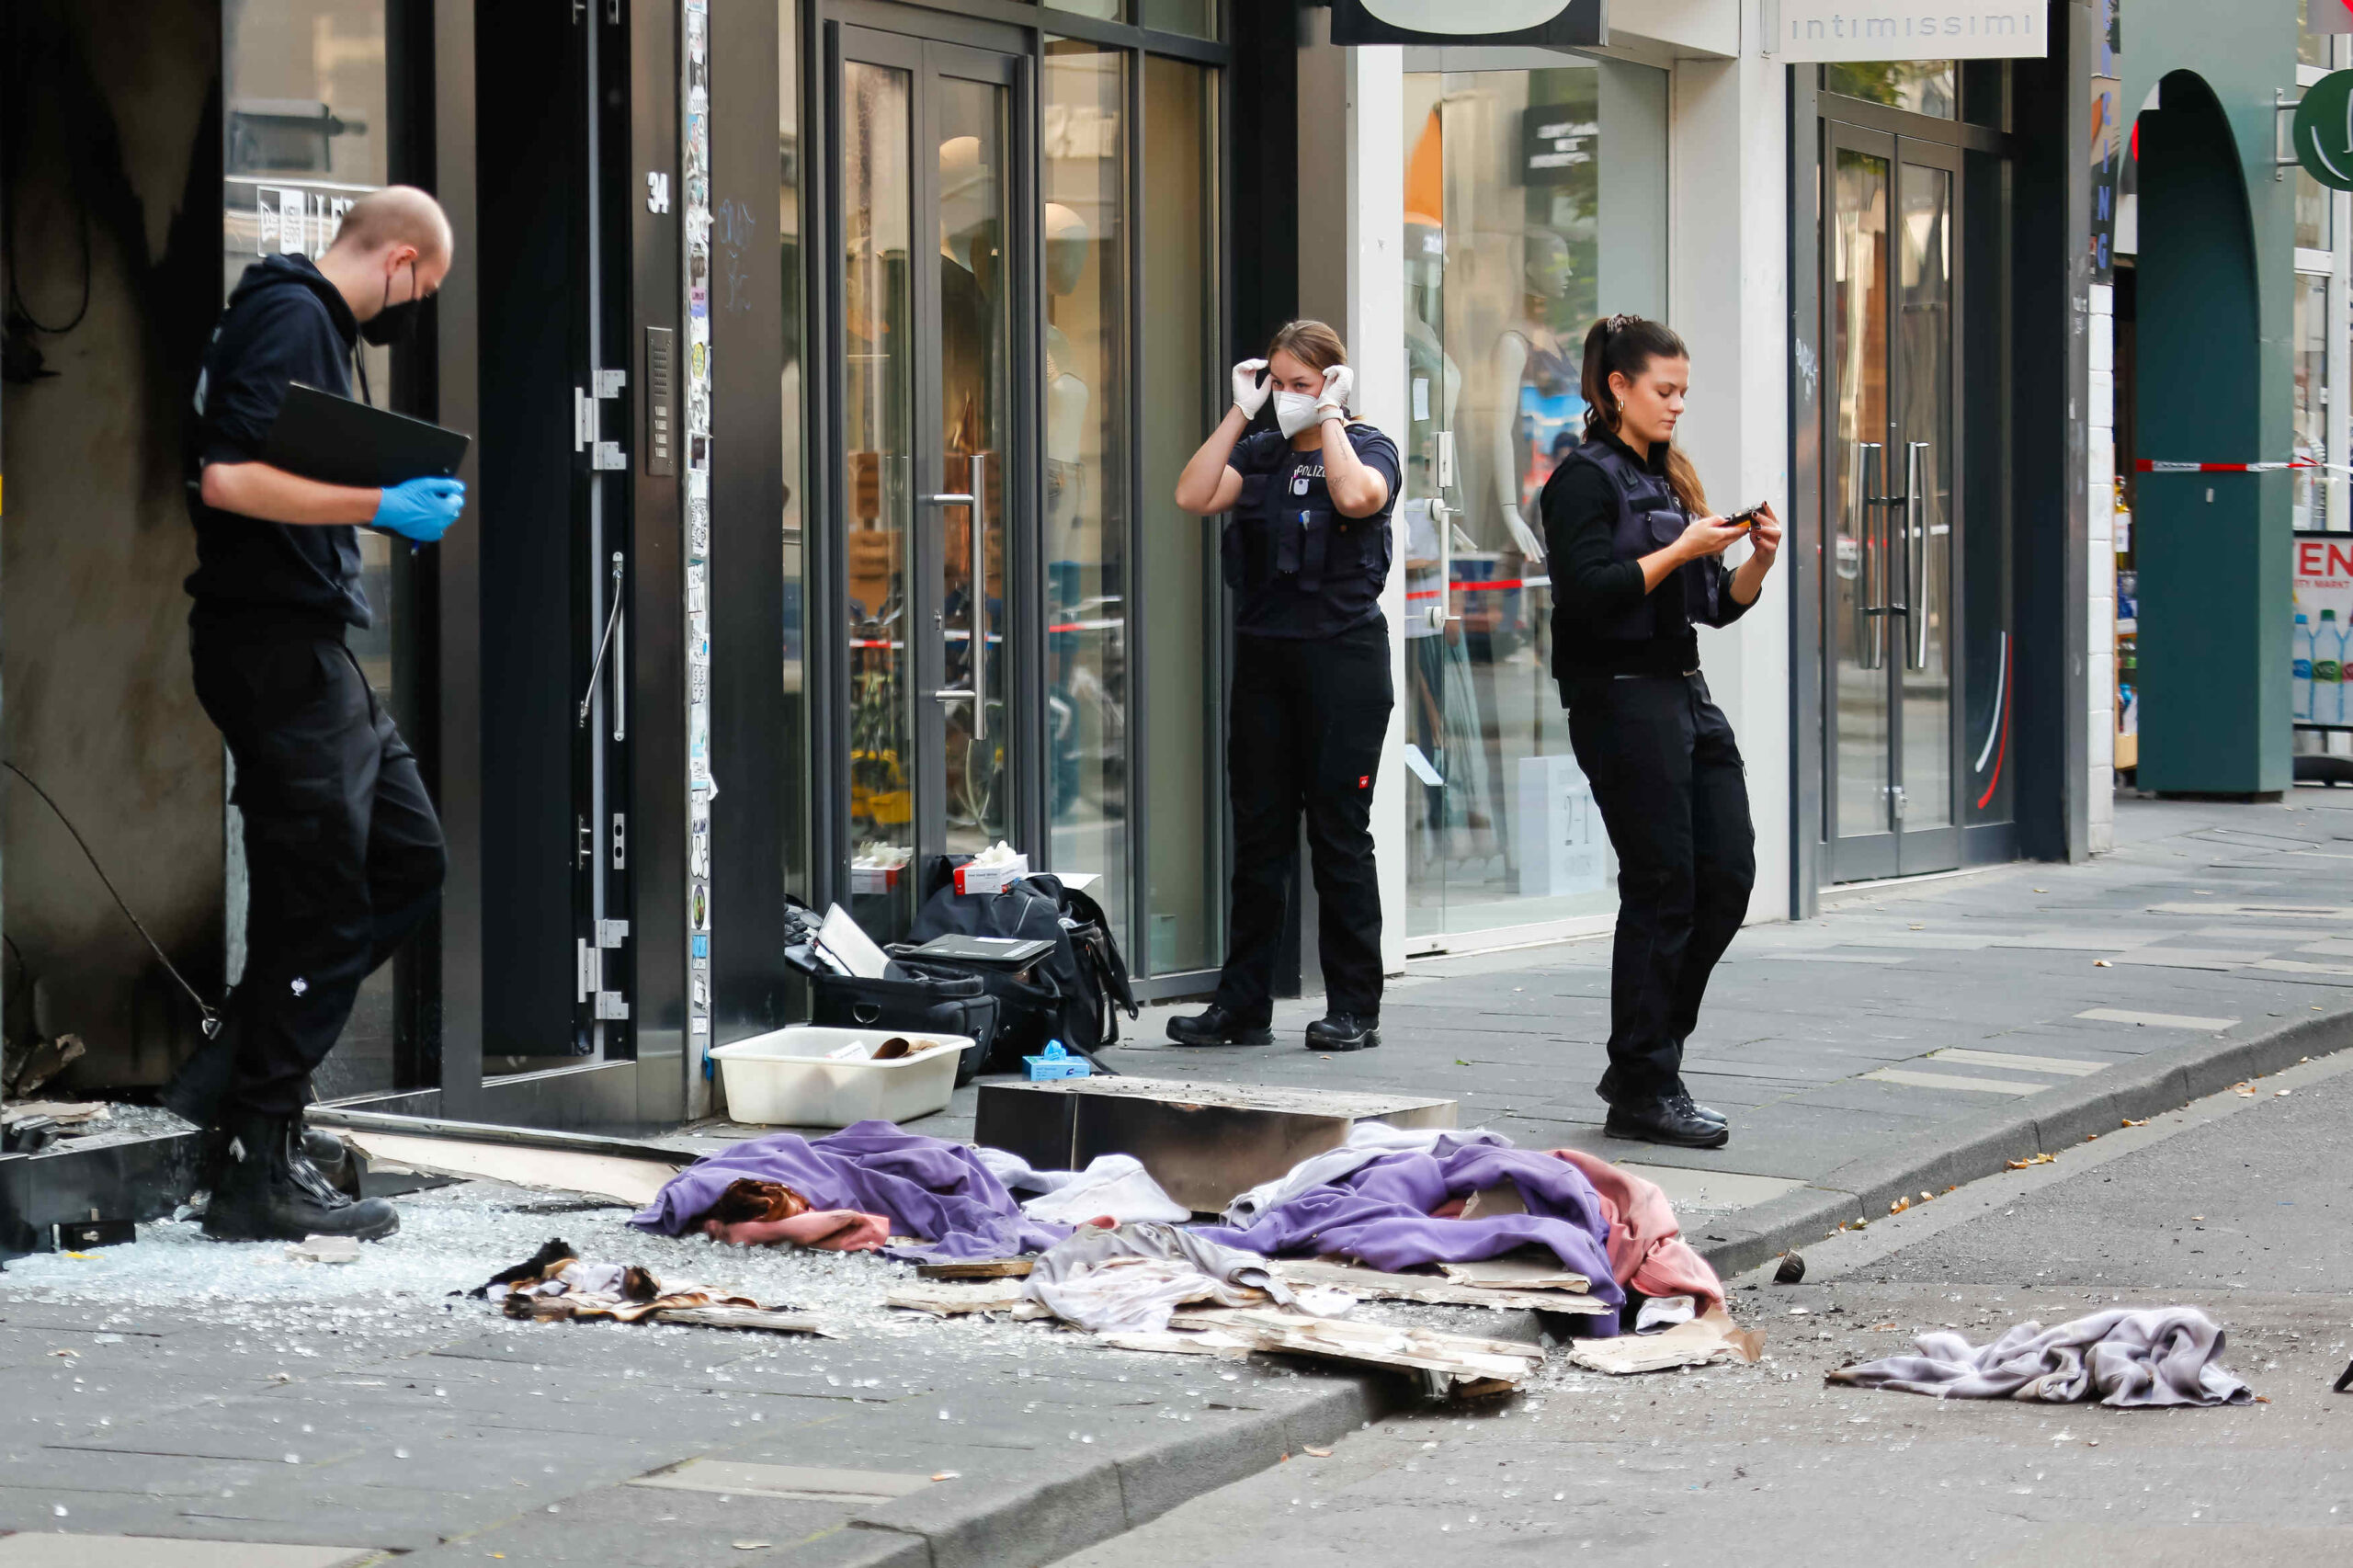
(1442, 523)
(977, 499)
(597, 665)
(1871, 569)
(1915, 560)
(620, 658)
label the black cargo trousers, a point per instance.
(1674, 795)
(1307, 720)
(343, 855)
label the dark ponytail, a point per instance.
(1626, 346)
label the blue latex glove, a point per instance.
(421, 509)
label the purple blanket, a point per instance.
(930, 1189)
(1381, 1215)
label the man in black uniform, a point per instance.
(343, 851)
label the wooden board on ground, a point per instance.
(1435, 1290)
(946, 1298)
(1174, 1344)
(977, 1268)
(1517, 1274)
(1470, 1364)
(740, 1317)
(1710, 1337)
(631, 1181)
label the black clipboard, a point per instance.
(339, 441)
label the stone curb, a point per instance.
(999, 1521)
(1976, 1147)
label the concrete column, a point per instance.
(1728, 295)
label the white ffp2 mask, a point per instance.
(1294, 411)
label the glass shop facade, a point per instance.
(831, 363)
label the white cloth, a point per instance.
(1130, 1295)
(2154, 1357)
(1131, 1279)
(1368, 1140)
(1116, 1185)
(1660, 1314)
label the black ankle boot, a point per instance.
(269, 1190)
(1218, 1027)
(1612, 1091)
(1673, 1121)
(1343, 1031)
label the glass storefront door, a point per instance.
(929, 421)
(1535, 201)
(1891, 302)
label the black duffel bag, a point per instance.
(1074, 992)
(912, 997)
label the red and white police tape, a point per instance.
(2151, 465)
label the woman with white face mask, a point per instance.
(1306, 553)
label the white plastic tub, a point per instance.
(785, 1078)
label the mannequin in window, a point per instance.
(1076, 701)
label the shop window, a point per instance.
(2312, 48)
(2311, 505)
(2314, 202)
(1535, 201)
(1184, 799)
(796, 783)
(1084, 182)
(1918, 87)
(1196, 17)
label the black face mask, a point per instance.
(394, 324)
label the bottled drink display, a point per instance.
(2300, 647)
(2328, 671)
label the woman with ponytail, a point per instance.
(1637, 563)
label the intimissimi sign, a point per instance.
(1801, 30)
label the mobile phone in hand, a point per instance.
(1746, 520)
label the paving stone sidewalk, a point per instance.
(1906, 1021)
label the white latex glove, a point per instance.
(1250, 392)
(1339, 381)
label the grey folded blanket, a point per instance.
(2154, 1357)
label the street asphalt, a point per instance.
(2237, 1206)
(1913, 1037)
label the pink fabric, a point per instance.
(827, 1229)
(1646, 1246)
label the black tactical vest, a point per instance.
(1303, 568)
(1650, 518)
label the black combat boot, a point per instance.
(269, 1190)
(1218, 1027)
(1343, 1031)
